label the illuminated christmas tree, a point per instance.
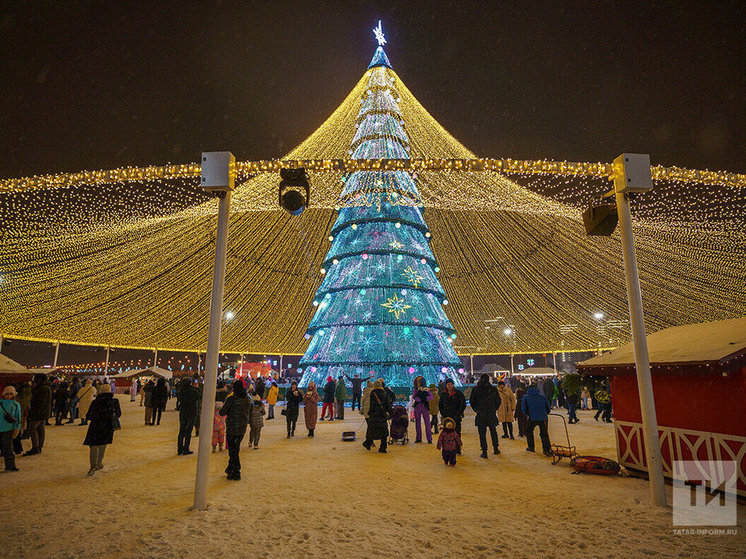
(380, 306)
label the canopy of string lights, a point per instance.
(124, 257)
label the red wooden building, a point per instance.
(699, 385)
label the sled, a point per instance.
(349, 435)
(559, 451)
(595, 465)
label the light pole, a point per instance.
(218, 176)
(510, 331)
(632, 175)
(600, 328)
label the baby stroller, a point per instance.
(399, 425)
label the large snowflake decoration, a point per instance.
(396, 306)
(412, 276)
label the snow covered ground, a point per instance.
(326, 498)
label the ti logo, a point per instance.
(704, 493)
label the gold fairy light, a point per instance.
(123, 257)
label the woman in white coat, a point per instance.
(133, 390)
(86, 393)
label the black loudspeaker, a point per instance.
(600, 220)
(293, 201)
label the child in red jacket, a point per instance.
(449, 441)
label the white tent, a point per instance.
(8, 366)
(10, 371)
(536, 372)
(150, 371)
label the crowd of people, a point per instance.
(242, 406)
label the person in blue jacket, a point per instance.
(536, 407)
(10, 421)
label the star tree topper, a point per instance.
(378, 32)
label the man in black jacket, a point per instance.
(452, 404)
(39, 411)
(189, 397)
(485, 400)
(236, 410)
(357, 389)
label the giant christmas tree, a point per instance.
(380, 306)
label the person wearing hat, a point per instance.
(311, 407)
(452, 404)
(40, 408)
(10, 426)
(377, 415)
(236, 410)
(103, 416)
(536, 407)
(293, 398)
(340, 395)
(329, 389)
(485, 401)
(85, 399)
(449, 442)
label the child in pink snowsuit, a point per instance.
(449, 442)
(218, 428)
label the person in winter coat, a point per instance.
(189, 396)
(449, 442)
(340, 395)
(357, 389)
(452, 404)
(585, 395)
(548, 390)
(159, 400)
(329, 389)
(102, 413)
(256, 421)
(60, 403)
(506, 411)
(24, 398)
(378, 414)
(421, 397)
(521, 417)
(85, 397)
(133, 390)
(259, 387)
(603, 397)
(311, 411)
(236, 410)
(434, 408)
(148, 391)
(39, 411)
(10, 426)
(72, 400)
(366, 399)
(536, 406)
(218, 428)
(221, 392)
(485, 401)
(272, 394)
(293, 398)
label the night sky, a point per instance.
(94, 85)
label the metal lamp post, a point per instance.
(632, 175)
(218, 176)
